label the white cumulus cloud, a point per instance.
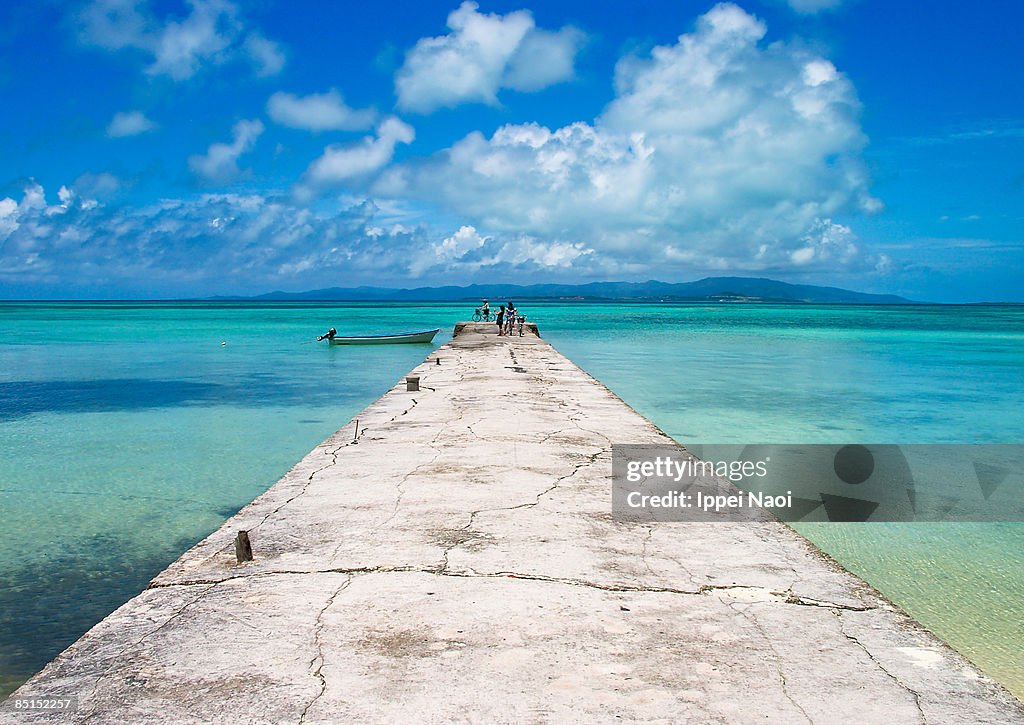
(526, 250)
(8, 217)
(220, 162)
(266, 56)
(458, 244)
(212, 32)
(467, 252)
(483, 54)
(719, 150)
(825, 242)
(318, 112)
(129, 123)
(542, 59)
(450, 249)
(340, 163)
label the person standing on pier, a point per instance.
(510, 317)
(500, 317)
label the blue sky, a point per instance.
(168, 149)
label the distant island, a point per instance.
(709, 289)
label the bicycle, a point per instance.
(481, 315)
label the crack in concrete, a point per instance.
(400, 484)
(529, 504)
(551, 435)
(138, 642)
(794, 598)
(576, 423)
(400, 487)
(704, 589)
(334, 461)
(916, 697)
(647, 541)
(747, 613)
(309, 480)
(318, 659)
(353, 571)
(472, 431)
(441, 570)
(643, 551)
(406, 411)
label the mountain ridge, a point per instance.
(739, 289)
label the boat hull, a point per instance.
(396, 339)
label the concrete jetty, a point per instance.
(450, 555)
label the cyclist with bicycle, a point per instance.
(482, 313)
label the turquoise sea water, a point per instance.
(128, 431)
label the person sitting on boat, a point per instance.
(329, 335)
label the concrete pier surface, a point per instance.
(452, 556)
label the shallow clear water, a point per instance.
(836, 374)
(128, 432)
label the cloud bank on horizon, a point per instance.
(720, 152)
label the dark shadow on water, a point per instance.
(44, 607)
(66, 396)
(25, 397)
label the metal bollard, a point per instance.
(412, 383)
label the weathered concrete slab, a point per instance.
(454, 559)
